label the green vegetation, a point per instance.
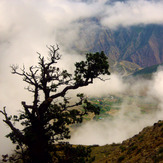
(106, 104)
(131, 149)
(123, 148)
(147, 72)
(121, 158)
(111, 104)
(160, 150)
(141, 138)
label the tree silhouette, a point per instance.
(46, 121)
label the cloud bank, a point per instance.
(129, 120)
(129, 13)
(28, 26)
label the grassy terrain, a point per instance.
(107, 105)
(147, 146)
(111, 104)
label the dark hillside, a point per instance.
(147, 146)
(147, 72)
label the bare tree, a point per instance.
(46, 121)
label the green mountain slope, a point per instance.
(147, 72)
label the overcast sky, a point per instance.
(27, 26)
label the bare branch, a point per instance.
(73, 87)
(81, 99)
(27, 106)
(53, 53)
(16, 131)
(26, 77)
(102, 79)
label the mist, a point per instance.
(127, 121)
(26, 27)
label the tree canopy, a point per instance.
(47, 119)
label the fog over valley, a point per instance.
(127, 121)
(27, 27)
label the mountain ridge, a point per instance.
(141, 45)
(146, 146)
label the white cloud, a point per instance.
(27, 26)
(131, 13)
(112, 84)
(129, 120)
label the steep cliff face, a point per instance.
(141, 45)
(151, 51)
